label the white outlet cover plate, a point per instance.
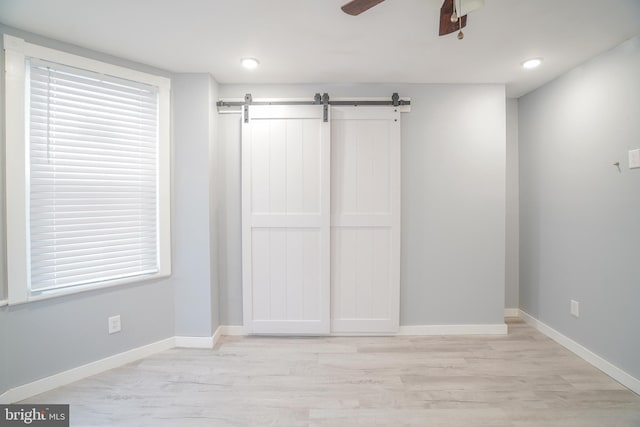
(634, 159)
(575, 308)
(114, 324)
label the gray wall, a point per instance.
(3, 246)
(579, 213)
(43, 338)
(513, 203)
(4, 351)
(229, 219)
(214, 250)
(453, 199)
(194, 272)
(4, 384)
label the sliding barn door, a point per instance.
(285, 223)
(365, 219)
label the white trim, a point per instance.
(4, 302)
(363, 334)
(607, 367)
(194, 342)
(55, 293)
(232, 330)
(201, 342)
(69, 59)
(67, 377)
(216, 336)
(491, 329)
(511, 312)
(494, 329)
(17, 170)
(12, 42)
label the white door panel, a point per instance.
(365, 219)
(285, 226)
(321, 220)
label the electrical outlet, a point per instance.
(575, 308)
(634, 159)
(114, 324)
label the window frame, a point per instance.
(18, 161)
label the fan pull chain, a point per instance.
(454, 15)
(460, 34)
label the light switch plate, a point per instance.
(634, 159)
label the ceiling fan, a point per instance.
(453, 13)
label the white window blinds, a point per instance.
(93, 192)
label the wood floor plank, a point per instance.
(523, 379)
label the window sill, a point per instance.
(55, 293)
(4, 302)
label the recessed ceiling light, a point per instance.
(532, 63)
(249, 63)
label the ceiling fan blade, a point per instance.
(356, 7)
(446, 26)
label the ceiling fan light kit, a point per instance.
(453, 13)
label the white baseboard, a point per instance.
(493, 329)
(608, 368)
(232, 330)
(497, 329)
(67, 377)
(194, 342)
(207, 342)
(216, 336)
(511, 312)
(200, 342)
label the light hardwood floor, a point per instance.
(520, 380)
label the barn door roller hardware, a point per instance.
(247, 101)
(318, 99)
(325, 107)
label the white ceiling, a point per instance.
(313, 41)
